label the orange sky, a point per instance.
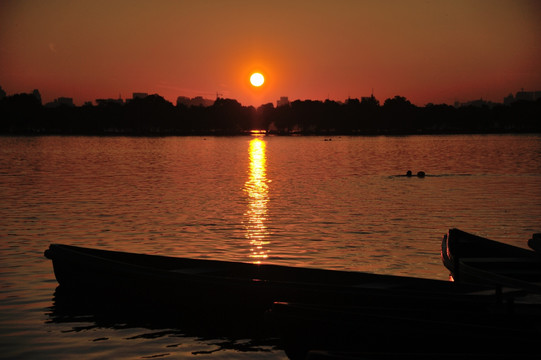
(427, 51)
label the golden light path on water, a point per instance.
(257, 190)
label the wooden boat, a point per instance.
(474, 259)
(176, 281)
(398, 332)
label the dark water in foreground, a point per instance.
(299, 201)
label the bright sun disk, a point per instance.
(257, 79)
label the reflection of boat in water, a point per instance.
(209, 330)
(441, 354)
(403, 332)
(475, 259)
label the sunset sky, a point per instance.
(427, 51)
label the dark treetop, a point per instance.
(23, 114)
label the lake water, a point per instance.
(303, 201)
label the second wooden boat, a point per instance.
(475, 259)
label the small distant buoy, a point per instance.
(421, 174)
(408, 173)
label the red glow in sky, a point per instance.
(427, 51)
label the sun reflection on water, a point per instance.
(257, 189)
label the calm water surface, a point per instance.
(300, 201)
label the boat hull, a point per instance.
(172, 281)
(474, 259)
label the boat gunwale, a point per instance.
(360, 279)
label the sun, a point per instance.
(257, 79)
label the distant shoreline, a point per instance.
(330, 136)
(24, 114)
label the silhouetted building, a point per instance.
(61, 101)
(475, 103)
(522, 96)
(283, 101)
(37, 95)
(196, 101)
(509, 99)
(139, 95)
(528, 95)
(183, 100)
(103, 102)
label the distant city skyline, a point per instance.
(427, 51)
(283, 100)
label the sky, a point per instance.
(427, 51)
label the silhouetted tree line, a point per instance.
(153, 115)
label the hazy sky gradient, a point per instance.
(427, 51)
